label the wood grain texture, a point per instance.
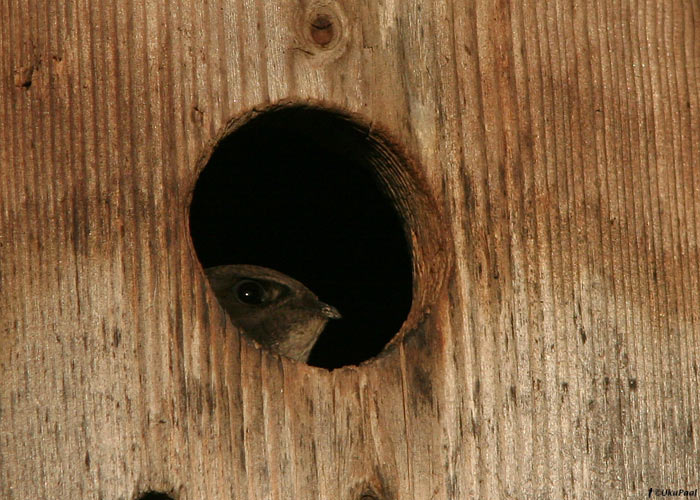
(562, 141)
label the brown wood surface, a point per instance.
(561, 139)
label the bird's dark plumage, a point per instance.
(273, 309)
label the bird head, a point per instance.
(273, 309)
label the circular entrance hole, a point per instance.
(321, 197)
(155, 495)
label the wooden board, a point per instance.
(562, 141)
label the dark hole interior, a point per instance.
(154, 495)
(296, 189)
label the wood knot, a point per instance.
(322, 29)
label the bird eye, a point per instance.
(250, 292)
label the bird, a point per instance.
(275, 310)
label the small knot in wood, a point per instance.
(322, 29)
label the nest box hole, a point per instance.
(320, 197)
(154, 495)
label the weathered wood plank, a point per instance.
(562, 142)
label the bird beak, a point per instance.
(330, 311)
